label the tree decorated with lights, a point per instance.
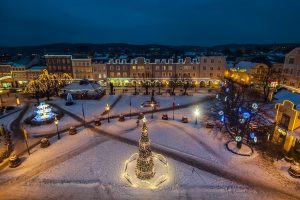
(145, 166)
(36, 88)
(47, 83)
(237, 114)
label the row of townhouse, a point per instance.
(199, 69)
(14, 74)
(122, 71)
(119, 72)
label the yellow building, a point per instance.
(246, 72)
(287, 122)
(238, 75)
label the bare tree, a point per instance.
(264, 80)
(237, 113)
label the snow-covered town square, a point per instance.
(149, 100)
(138, 146)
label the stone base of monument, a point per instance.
(160, 177)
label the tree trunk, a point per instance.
(37, 97)
(48, 95)
(56, 91)
(146, 90)
(239, 144)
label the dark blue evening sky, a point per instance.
(175, 22)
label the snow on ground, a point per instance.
(92, 108)
(166, 135)
(89, 165)
(57, 148)
(164, 102)
(208, 144)
(8, 119)
(100, 167)
(283, 167)
(65, 122)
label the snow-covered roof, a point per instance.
(245, 65)
(37, 67)
(284, 94)
(77, 86)
(123, 56)
(229, 64)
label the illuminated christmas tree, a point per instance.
(43, 113)
(145, 166)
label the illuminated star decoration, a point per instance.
(246, 115)
(254, 106)
(238, 138)
(242, 121)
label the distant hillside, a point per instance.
(69, 48)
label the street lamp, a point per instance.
(173, 107)
(107, 110)
(196, 114)
(56, 123)
(152, 106)
(17, 100)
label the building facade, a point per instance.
(291, 68)
(59, 64)
(246, 72)
(287, 131)
(5, 75)
(99, 71)
(203, 71)
(82, 68)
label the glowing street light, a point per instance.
(152, 106)
(107, 110)
(56, 123)
(197, 111)
(17, 100)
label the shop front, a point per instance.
(287, 130)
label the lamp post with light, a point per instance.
(152, 106)
(196, 114)
(56, 123)
(17, 100)
(107, 110)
